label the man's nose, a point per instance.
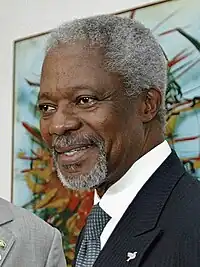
(63, 122)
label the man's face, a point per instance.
(87, 120)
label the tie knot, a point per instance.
(96, 222)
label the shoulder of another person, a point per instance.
(26, 223)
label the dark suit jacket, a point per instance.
(162, 224)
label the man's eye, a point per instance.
(46, 108)
(86, 101)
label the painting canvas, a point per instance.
(176, 25)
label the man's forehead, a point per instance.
(78, 49)
(71, 62)
(65, 61)
(63, 69)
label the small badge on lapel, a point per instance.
(131, 256)
(2, 244)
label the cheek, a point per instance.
(119, 128)
(104, 122)
(44, 128)
(110, 128)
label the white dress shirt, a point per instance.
(120, 195)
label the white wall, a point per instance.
(21, 18)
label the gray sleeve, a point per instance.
(56, 256)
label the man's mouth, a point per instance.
(72, 148)
(73, 151)
(74, 154)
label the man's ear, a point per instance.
(151, 104)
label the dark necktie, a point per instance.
(91, 245)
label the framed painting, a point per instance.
(35, 186)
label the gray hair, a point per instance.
(130, 48)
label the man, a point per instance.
(102, 113)
(26, 240)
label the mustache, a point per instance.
(72, 140)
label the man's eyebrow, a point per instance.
(44, 95)
(49, 95)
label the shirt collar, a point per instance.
(119, 196)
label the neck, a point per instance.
(103, 188)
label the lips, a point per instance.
(73, 154)
(68, 149)
(73, 151)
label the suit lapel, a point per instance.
(137, 230)
(125, 250)
(7, 238)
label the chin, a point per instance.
(83, 181)
(83, 175)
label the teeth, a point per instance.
(74, 151)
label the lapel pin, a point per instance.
(131, 256)
(2, 244)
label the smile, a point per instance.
(75, 154)
(75, 150)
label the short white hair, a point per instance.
(130, 47)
